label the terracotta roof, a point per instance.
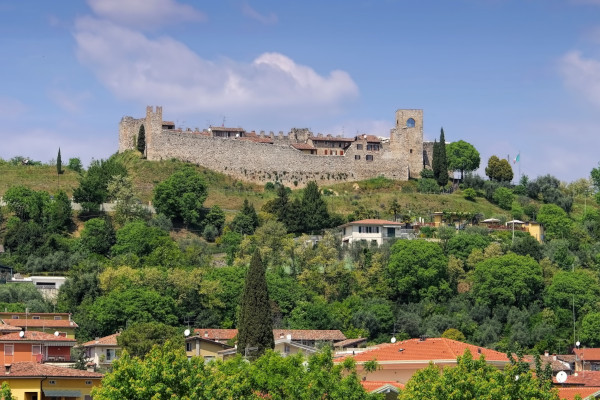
(331, 139)
(32, 369)
(569, 393)
(168, 123)
(371, 386)
(297, 334)
(588, 354)
(35, 336)
(41, 323)
(224, 129)
(110, 340)
(303, 146)
(9, 328)
(426, 350)
(350, 342)
(6, 314)
(372, 222)
(202, 339)
(582, 378)
(556, 365)
(369, 138)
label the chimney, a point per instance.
(479, 350)
(546, 353)
(554, 357)
(90, 367)
(7, 368)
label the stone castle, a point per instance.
(293, 159)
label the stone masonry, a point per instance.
(293, 159)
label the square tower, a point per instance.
(406, 140)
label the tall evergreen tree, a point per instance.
(58, 163)
(255, 323)
(442, 177)
(314, 208)
(141, 142)
(435, 163)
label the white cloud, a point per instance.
(145, 14)
(165, 71)
(582, 75)
(250, 12)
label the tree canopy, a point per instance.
(181, 196)
(499, 170)
(463, 157)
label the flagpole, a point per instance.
(519, 165)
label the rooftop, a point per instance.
(41, 323)
(375, 386)
(35, 336)
(110, 340)
(569, 393)
(582, 378)
(297, 334)
(32, 369)
(588, 354)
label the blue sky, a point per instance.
(507, 76)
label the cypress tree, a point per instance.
(436, 160)
(255, 324)
(141, 142)
(58, 163)
(316, 216)
(443, 161)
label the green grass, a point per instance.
(38, 177)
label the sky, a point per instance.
(508, 76)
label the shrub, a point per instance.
(470, 194)
(428, 185)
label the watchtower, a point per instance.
(406, 140)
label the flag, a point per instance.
(517, 158)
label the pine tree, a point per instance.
(255, 324)
(141, 141)
(58, 163)
(442, 177)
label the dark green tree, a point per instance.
(181, 196)
(98, 236)
(255, 325)
(141, 140)
(93, 186)
(58, 213)
(246, 221)
(216, 218)
(435, 162)
(442, 176)
(75, 164)
(139, 338)
(462, 156)
(314, 209)
(58, 163)
(499, 170)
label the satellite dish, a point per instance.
(393, 339)
(186, 332)
(578, 343)
(22, 333)
(561, 377)
(56, 333)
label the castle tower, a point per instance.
(406, 140)
(153, 127)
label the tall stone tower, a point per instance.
(153, 126)
(406, 140)
(129, 129)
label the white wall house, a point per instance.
(374, 231)
(102, 351)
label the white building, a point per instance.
(103, 351)
(374, 231)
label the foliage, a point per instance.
(417, 270)
(314, 209)
(246, 221)
(557, 224)
(427, 185)
(75, 164)
(440, 162)
(469, 194)
(476, 379)
(139, 338)
(138, 238)
(504, 197)
(93, 186)
(547, 188)
(181, 196)
(24, 294)
(26, 204)
(216, 218)
(128, 207)
(5, 392)
(527, 246)
(255, 326)
(463, 157)
(499, 170)
(454, 334)
(141, 140)
(463, 244)
(98, 236)
(59, 169)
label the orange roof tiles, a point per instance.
(583, 378)
(430, 349)
(35, 336)
(41, 323)
(370, 386)
(331, 139)
(588, 354)
(32, 369)
(110, 340)
(297, 334)
(569, 393)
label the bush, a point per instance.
(269, 186)
(75, 164)
(427, 174)
(470, 194)
(428, 185)
(504, 198)
(210, 233)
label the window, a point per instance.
(410, 151)
(9, 349)
(87, 397)
(36, 317)
(357, 156)
(341, 152)
(373, 147)
(188, 346)
(88, 382)
(359, 147)
(110, 354)
(36, 349)
(15, 317)
(410, 123)
(286, 348)
(369, 157)
(52, 382)
(325, 152)
(57, 317)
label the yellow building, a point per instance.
(536, 230)
(199, 346)
(33, 381)
(42, 322)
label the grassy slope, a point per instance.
(230, 193)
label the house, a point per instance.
(399, 361)
(389, 388)
(306, 337)
(350, 344)
(285, 347)
(580, 379)
(198, 346)
(33, 381)
(374, 231)
(33, 346)
(586, 393)
(558, 363)
(587, 359)
(43, 322)
(102, 351)
(48, 286)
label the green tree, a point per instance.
(141, 140)
(181, 196)
(5, 392)
(98, 236)
(504, 197)
(499, 170)
(139, 338)
(469, 194)
(442, 164)
(508, 280)
(590, 329)
(454, 334)
(435, 162)
(59, 169)
(255, 326)
(476, 379)
(216, 218)
(314, 209)
(58, 214)
(557, 224)
(595, 177)
(463, 244)
(395, 208)
(128, 207)
(75, 164)
(417, 270)
(428, 185)
(27, 204)
(138, 238)
(246, 221)
(462, 156)
(93, 186)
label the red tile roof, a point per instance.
(110, 340)
(370, 386)
(582, 378)
(35, 336)
(588, 354)
(569, 393)
(331, 139)
(32, 369)
(297, 334)
(373, 222)
(369, 138)
(224, 129)
(41, 323)
(303, 146)
(430, 349)
(9, 328)
(556, 365)
(350, 342)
